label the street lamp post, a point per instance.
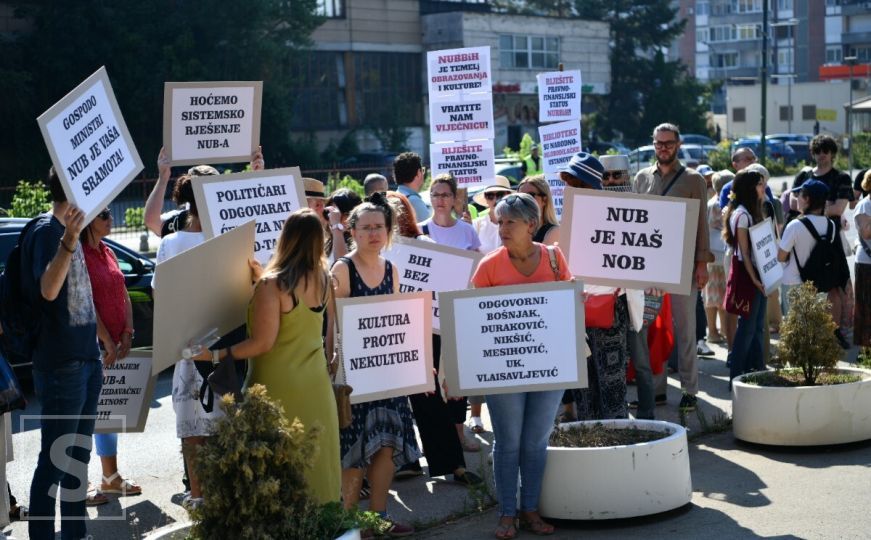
(850, 61)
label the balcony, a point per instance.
(446, 6)
(855, 7)
(855, 38)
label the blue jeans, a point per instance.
(747, 348)
(106, 444)
(522, 423)
(70, 394)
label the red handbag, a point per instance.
(740, 290)
(599, 310)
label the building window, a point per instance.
(702, 8)
(722, 33)
(834, 55)
(749, 31)
(702, 35)
(784, 61)
(785, 113)
(320, 92)
(528, 52)
(388, 89)
(739, 114)
(808, 112)
(332, 9)
(862, 54)
(783, 5)
(747, 6)
(725, 60)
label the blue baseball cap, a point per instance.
(814, 188)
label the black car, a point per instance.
(137, 271)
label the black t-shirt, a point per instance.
(839, 184)
(68, 324)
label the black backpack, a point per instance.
(19, 311)
(824, 266)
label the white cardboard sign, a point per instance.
(765, 255)
(559, 96)
(462, 118)
(560, 142)
(471, 163)
(205, 287)
(387, 345)
(125, 396)
(90, 147)
(427, 266)
(458, 71)
(629, 240)
(229, 200)
(211, 122)
(557, 190)
(521, 338)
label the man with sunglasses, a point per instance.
(668, 177)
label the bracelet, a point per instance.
(65, 246)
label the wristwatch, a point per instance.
(337, 227)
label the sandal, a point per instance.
(505, 531)
(123, 489)
(537, 527)
(96, 498)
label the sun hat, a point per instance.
(615, 162)
(314, 188)
(705, 170)
(586, 168)
(759, 168)
(501, 183)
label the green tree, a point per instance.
(142, 44)
(30, 199)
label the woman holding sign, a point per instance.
(745, 294)
(522, 421)
(381, 435)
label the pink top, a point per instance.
(496, 269)
(109, 289)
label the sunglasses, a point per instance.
(491, 195)
(616, 175)
(105, 214)
(659, 145)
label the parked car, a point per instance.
(645, 156)
(774, 149)
(698, 154)
(138, 272)
(694, 138)
(511, 169)
(602, 147)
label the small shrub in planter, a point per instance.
(600, 436)
(252, 476)
(807, 343)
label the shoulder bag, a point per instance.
(598, 308)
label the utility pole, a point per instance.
(850, 61)
(764, 77)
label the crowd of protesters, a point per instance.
(334, 249)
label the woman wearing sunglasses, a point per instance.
(115, 330)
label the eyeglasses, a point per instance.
(535, 193)
(818, 152)
(441, 195)
(659, 145)
(105, 214)
(616, 175)
(373, 228)
(491, 195)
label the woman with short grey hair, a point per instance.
(522, 421)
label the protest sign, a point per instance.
(559, 96)
(211, 122)
(125, 396)
(427, 266)
(557, 188)
(90, 147)
(765, 255)
(629, 240)
(560, 142)
(470, 163)
(205, 287)
(229, 200)
(458, 71)
(461, 118)
(520, 338)
(387, 345)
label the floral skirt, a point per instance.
(376, 424)
(715, 291)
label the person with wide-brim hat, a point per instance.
(315, 196)
(485, 225)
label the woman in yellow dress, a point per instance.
(285, 319)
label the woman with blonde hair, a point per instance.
(537, 187)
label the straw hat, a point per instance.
(501, 184)
(314, 188)
(615, 162)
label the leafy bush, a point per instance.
(721, 158)
(134, 218)
(347, 181)
(30, 199)
(807, 334)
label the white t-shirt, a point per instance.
(461, 235)
(175, 243)
(796, 235)
(740, 219)
(863, 208)
(488, 234)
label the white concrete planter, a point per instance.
(618, 481)
(180, 531)
(803, 415)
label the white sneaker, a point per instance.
(703, 349)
